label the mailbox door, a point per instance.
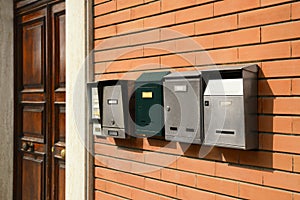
(182, 105)
(224, 121)
(149, 110)
(113, 115)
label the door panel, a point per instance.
(33, 177)
(34, 54)
(34, 122)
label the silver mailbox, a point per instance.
(183, 107)
(115, 109)
(230, 107)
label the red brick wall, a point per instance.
(265, 32)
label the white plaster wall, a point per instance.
(76, 161)
(6, 99)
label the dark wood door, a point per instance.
(39, 114)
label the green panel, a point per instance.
(149, 101)
(152, 77)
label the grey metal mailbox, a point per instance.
(115, 106)
(183, 97)
(230, 107)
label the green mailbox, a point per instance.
(149, 112)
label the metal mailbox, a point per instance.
(230, 107)
(183, 97)
(94, 107)
(115, 106)
(149, 104)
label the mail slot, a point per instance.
(230, 107)
(149, 104)
(183, 98)
(94, 108)
(116, 107)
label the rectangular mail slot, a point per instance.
(116, 104)
(149, 104)
(230, 107)
(183, 98)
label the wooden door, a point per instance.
(39, 112)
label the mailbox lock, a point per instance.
(168, 108)
(113, 122)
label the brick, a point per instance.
(222, 56)
(279, 143)
(296, 159)
(276, 124)
(105, 8)
(274, 87)
(100, 67)
(240, 37)
(113, 76)
(113, 42)
(267, 160)
(164, 160)
(131, 26)
(296, 125)
(239, 173)
(196, 165)
(264, 51)
(258, 17)
(146, 170)
(205, 41)
(177, 31)
(121, 177)
(296, 196)
(193, 194)
(296, 10)
(281, 105)
(216, 24)
(179, 177)
(160, 48)
(280, 31)
(187, 44)
(112, 18)
(101, 195)
(229, 6)
(100, 184)
(117, 189)
(99, 1)
(284, 180)
(171, 5)
(285, 68)
(296, 86)
(272, 2)
(194, 13)
(178, 60)
(296, 48)
(160, 187)
(134, 64)
(117, 54)
(160, 20)
(248, 191)
(105, 32)
(145, 10)
(217, 185)
(140, 194)
(121, 4)
(144, 37)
